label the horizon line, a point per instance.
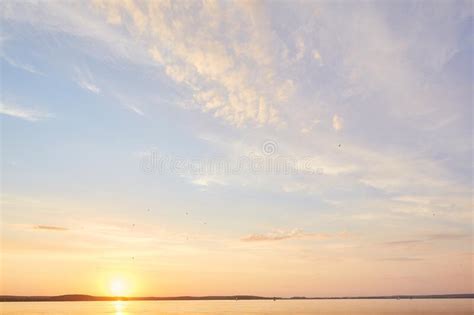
(86, 297)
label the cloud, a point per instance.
(305, 130)
(435, 205)
(337, 122)
(88, 86)
(231, 72)
(50, 228)
(401, 259)
(85, 80)
(241, 75)
(317, 56)
(135, 109)
(22, 66)
(430, 238)
(23, 113)
(448, 236)
(403, 243)
(285, 235)
(208, 180)
(300, 49)
(310, 126)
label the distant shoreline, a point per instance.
(83, 298)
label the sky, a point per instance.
(275, 148)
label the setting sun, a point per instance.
(118, 287)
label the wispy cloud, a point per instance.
(207, 180)
(401, 259)
(88, 86)
(23, 113)
(85, 80)
(50, 228)
(292, 234)
(430, 237)
(136, 110)
(20, 65)
(448, 236)
(403, 243)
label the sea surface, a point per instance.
(287, 307)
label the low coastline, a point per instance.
(83, 298)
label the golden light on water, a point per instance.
(119, 307)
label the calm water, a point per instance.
(352, 307)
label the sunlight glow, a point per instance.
(118, 287)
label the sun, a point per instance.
(118, 287)
(118, 284)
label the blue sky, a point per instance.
(377, 96)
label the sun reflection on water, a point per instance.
(120, 307)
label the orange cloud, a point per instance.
(285, 235)
(50, 228)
